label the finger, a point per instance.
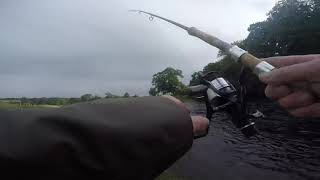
(309, 111)
(178, 102)
(297, 99)
(276, 92)
(200, 125)
(315, 88)
(289, 74)
(282, 61)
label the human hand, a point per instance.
(295, 84)
(200, 124)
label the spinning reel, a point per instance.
(220, 95)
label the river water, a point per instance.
(286, 148)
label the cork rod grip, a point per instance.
(212, 40)
(255, 64)
(250, 61)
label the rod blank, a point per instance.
(255, 64)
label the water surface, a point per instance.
(286, 149)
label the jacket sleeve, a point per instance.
(135, 138)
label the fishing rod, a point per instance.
(237, 54)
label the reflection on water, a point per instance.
(285, 148)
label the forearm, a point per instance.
(116, 139)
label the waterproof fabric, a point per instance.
(135, 138)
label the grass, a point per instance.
(5, 105)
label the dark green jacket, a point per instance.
(107, 139)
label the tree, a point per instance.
(74, 100)
(24, 100)
(195, 78)
(226, 67)
(87, 97)
(153, 91)
(218, 66)
(292, 28)
(126, 95)
(110, 95)
(96, 97)
(167, 81)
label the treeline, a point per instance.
(292, 28)
(63, 101)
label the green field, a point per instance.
(7, 105)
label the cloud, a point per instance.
(71, 47)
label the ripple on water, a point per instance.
(284, 144)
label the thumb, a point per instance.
(200, 126)
(287, 74)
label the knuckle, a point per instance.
(284, 103)
(315, 110)
(307, 98)
(276, 92)
(297, 99)
(268, 91)
(297, 113)
(313, 70)
(276, 77)
(309, 111)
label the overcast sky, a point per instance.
(72, 47)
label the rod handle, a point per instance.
(255, 64)
(212, 40)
